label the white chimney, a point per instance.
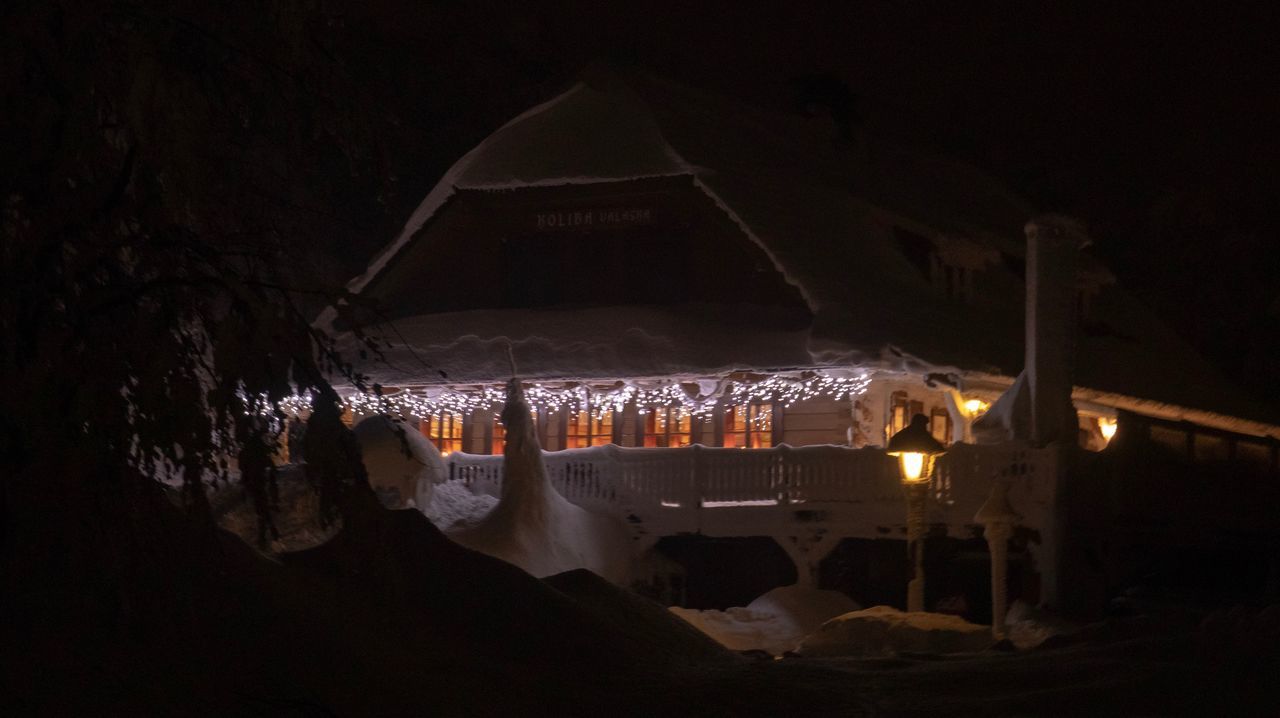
(1053, 246)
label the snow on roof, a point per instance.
(585, 343)
(824, 209)
(597, 132)
(587, 134)
(577, 137)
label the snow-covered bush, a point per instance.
(403, 466)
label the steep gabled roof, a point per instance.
(826, 210)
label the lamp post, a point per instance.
(916, 450)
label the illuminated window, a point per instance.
(444, 429)
(499, 435)
(667, 426)
(748, 426)
(588, 428)
(940, 425)
(901, 409)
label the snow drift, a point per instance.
(884, 630)
(533, 526)
(454, 507)
(775, 622)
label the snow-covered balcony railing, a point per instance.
(699, 476)
(649, 483)
(964, 475)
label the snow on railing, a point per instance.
(647, 482)
(963, 477)
(699, 475)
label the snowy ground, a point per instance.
(815, 622)
(1165, 662)
(886, 631)
(775, 622)
(1138, 666)
(417, 625)
(387, 616)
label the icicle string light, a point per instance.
(781, 389)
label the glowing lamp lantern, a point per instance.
(912, 466)
(916, 450)
(975, 407)
(1107, 427)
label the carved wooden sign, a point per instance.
(592, 218)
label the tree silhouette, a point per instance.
(167, 162)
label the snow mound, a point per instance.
(453, 507)
(533, 526)
(1027, 627)
(775, 622)
(402, 464)
(884, 630)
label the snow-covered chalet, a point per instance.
(721, 313)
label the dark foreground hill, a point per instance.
(388, 618)
(391, 618)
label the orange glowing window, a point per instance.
(666, 426)
(588, 428)
(748, 426)
(940, 425)
(901, 409)
(444, 429)
(499, 436)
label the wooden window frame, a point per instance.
(748, 434)
(645, 431)
(947, 424)
(445, 444)
(595, 434)
(910, 407)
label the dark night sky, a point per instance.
(1156, 123)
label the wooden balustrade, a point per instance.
(698, 477)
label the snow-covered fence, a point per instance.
(963, 477)
(480, 473)
(675, 484)
(700, 476)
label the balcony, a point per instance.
(777, 491)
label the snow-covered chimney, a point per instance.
(1053, 246)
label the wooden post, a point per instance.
(998, 534)
(998, 517)
(916, 495)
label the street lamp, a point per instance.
(916, 450)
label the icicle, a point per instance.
(511, 358)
